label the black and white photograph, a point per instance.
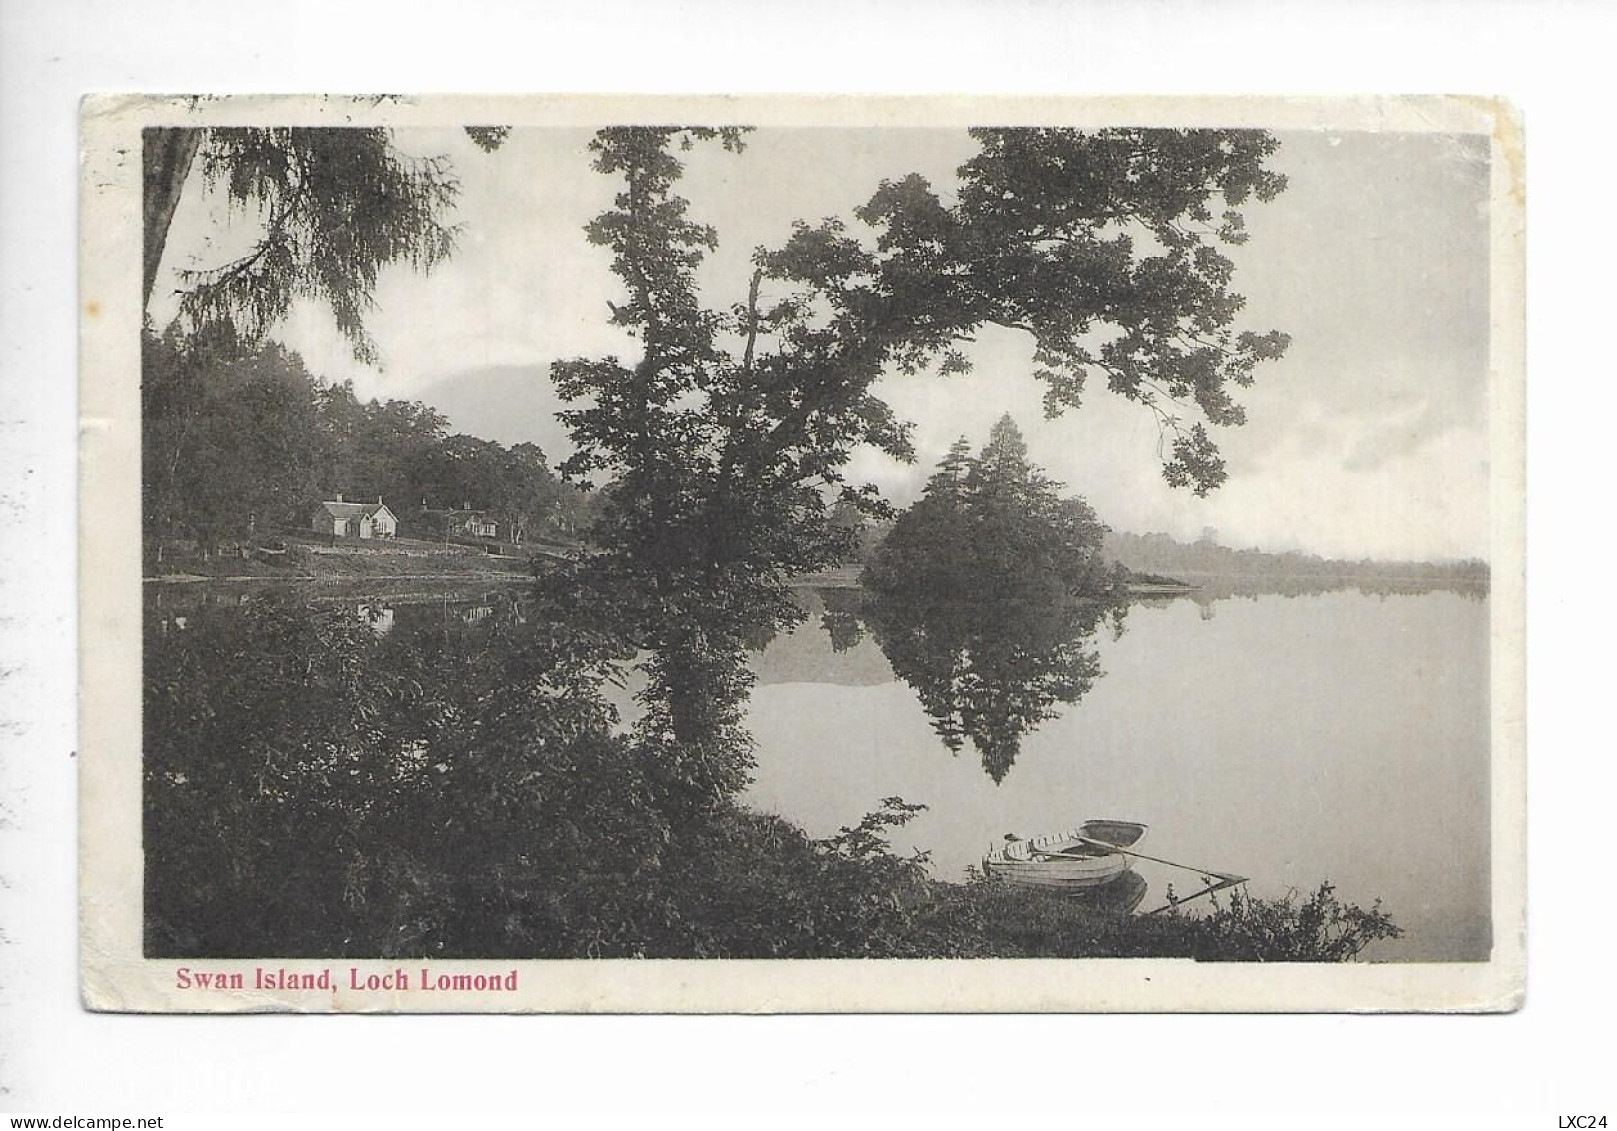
(556, 554)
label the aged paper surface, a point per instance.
(1423, 507)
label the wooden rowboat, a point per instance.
(1072, 861)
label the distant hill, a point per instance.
(510, 404)
(1163, 555)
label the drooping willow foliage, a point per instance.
(335, 205)
(339, 205)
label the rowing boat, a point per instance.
(1073, 861)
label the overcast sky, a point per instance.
(1368, 439)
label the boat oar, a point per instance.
(1225, 879)
(1110, 847)
(1224, 882)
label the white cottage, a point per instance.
(355, 520)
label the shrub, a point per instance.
(1319, 928)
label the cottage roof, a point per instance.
(346, 511)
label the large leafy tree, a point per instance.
(1105, 248)
(231, 439)
(376, 446)
(729, 437)
(515, 485)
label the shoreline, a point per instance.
(331, 578)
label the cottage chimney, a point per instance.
(339, 496)
(465, 506)
(378, 500)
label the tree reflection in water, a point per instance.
(986, 595)
(987, 669)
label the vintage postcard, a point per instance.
(630, 554)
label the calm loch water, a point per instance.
(1337, 736)
(1341, 736)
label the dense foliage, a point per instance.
(986, 594)
(1317, 927)
(994, 525)
(241, 441)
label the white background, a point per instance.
(1555, 61)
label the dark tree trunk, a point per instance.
(167, 154)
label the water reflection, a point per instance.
(988, 669)
(314, 786)
(1206, 730)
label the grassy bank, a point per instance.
(315, 559)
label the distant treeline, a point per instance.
(244, 443)
(1162, 555)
